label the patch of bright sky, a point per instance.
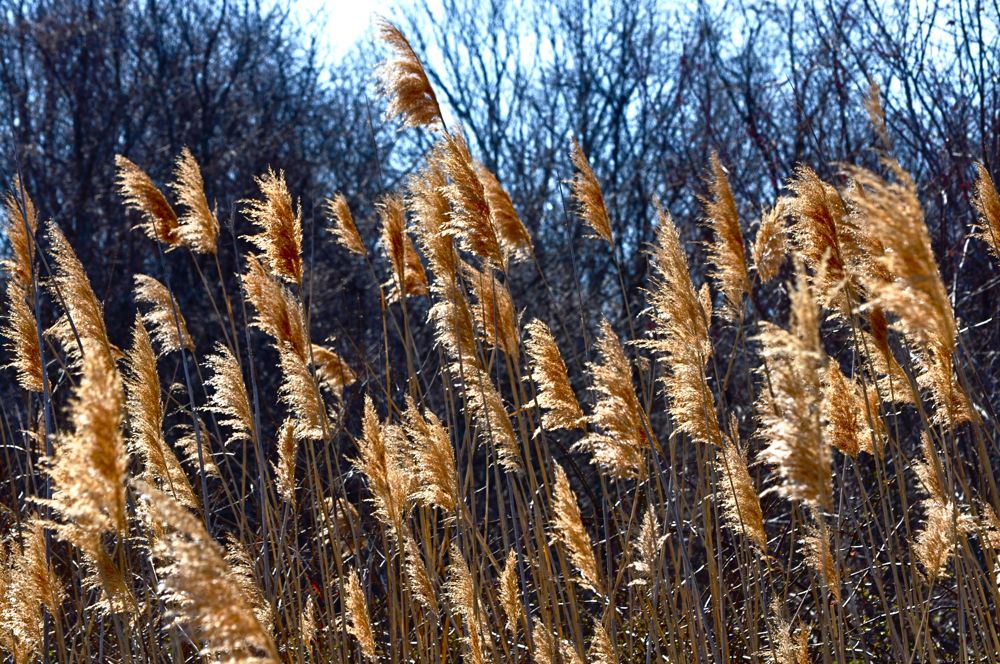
(340, 24)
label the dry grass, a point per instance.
(814, 485)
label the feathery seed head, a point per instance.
(343, 228)
(281, 226)
(556, 398)
(586, 192)
(159, 221)
(198, 225)
(404, 81)
(726, 252)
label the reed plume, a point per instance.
(568, 530)
(198, 226)
(358, 621)
(471, 221)
(453, 321)
(284, 469)
(680, 325)
(550, 649)
(770, 245)
(846, 413)
(205, 596)
(430, 446)
(164, 316)
(428, 203)
(280, 223)
(404, 81)
(647, 547)
(824, 239)
(790, 420)
(19, 326)
(88, 475)
(240, 561)
(388, 479)
(510, 594)
(189, 443)
(915, 294)
(343, 229)
(145, 417)
(159, 221)
(788, 645)
(987, 204)
(20, 226)
(602, 651)
(560, 408)
(21, 333)
(494, 311)
(515, 240)
(28, 582)
(277, 311)
(332, 371)
(741, 509)
(619, 445)
(820, 555)
(417, 576)
(587, 194)
(726, 252)
(409, 278)
(944, 521)
(229, 396)
(461, 592)
(83, 321)
(299, 391)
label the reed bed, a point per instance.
(698, 482)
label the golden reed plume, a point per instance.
(514, 236)
(681, 336)
(332, 371)
(198, 225)
(770, 246)
(403, 79)
(28, 583)
(465, 604)
(284, 469)
(408, 276)
(987, 203)
(494, 311)
(164, 316)
(914, 293)
(568, 530)
(145, 417)
(560, 408)
(229, 396)
(159, 221)
(203, 593)
(343, 229)
(619, 446)
(19, 326)
(471, 220)
(434, 457)
(83, 319)
(358, 622)
(790, 419)
(510, 593)
(280, 237)
(381, 462)
(741, 509)
(586, 192)
(726, 252)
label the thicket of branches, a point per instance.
(621, 332)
